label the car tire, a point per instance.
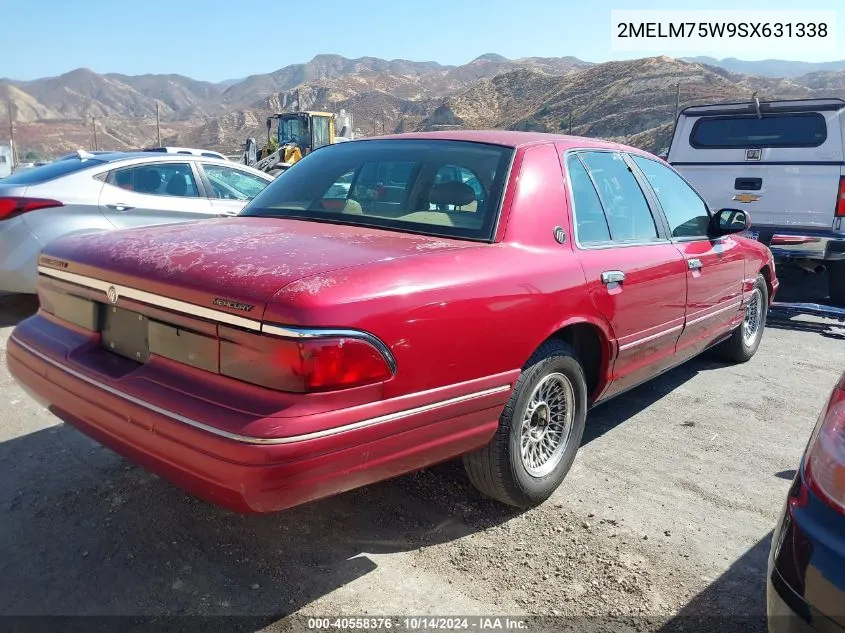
(745, 339)
(544, 418)
(836, 282)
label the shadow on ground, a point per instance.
(735, 601)
(607, 416)
(85, 533)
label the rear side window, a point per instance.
(167, 179)
(590, 223)
(50, 171)
(802, 129)
(626, 208)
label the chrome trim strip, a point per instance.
(650, 337)
(291, 332)
(153, 299)
(734, 305)
(382, 419)
(218, 316)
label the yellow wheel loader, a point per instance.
(297, 134)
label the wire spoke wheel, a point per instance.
(547, 424)
(753, 321)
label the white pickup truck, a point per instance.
(784, 161)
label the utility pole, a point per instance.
(158, 125)
(94, 127)
(12, 133)
(570, 121)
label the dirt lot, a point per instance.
(667, 513)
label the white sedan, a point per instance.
(100, 192)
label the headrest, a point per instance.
(148, 180)
(451, 192)
(178, 185)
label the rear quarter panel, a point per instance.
(79, 192)
(460, 315)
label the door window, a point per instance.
(320, 126)
(163, 179)
(233, 184)
(590, 222)
(626, 208)
(684, 209)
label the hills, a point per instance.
(770, 67)
(631, 100)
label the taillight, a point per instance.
(840, 199)
(12, 206)
(302, 365)
(825, 460)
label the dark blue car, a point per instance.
(806, 576)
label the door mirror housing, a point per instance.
(728, 221)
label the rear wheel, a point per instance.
(836, 281)
(745, 340)
(539, 431)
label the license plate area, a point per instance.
(126, 333)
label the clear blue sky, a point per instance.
(222, 39)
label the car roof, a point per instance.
(508, 138)
(157, 156)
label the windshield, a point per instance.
(437, 187)
(293, 130)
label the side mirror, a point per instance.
(728, 221)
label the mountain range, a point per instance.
(626, 100)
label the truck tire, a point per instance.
(539, 431)
(836, 282)
(745, 339)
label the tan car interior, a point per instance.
(421, 194)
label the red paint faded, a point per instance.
(460, 318)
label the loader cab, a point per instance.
(307, 130)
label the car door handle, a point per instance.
(119, 207)
(694, 264)
(612, 276)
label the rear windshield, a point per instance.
(437, 187)
(804, 129)
(50, 171)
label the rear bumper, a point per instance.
(816, 244)
(255, 477)
(804, 588)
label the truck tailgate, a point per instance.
(797, 195)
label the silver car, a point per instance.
(100, 192)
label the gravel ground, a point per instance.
(663, 523)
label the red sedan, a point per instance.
(387, 304)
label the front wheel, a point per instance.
(745, 340)
(539, 431)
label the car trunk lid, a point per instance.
(231, 265)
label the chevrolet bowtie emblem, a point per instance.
(746, 197)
